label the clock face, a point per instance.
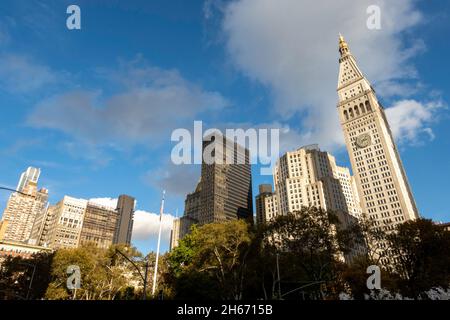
(363, 140)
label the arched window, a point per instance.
(368, 107)
(356, 111)
(346, 114)
(351, 112)
(361, 106)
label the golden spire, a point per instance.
(343, 46)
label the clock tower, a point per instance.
(383, 187)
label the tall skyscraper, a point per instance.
(124, 227)
(23, 208)
(310, 177)
(226, 184)
(382, 184)
(224, 191)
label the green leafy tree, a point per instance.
(212, 261)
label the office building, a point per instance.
(265, 203)
(124, 228)
(23, 207)
(63, 223)
(385, 194)
(224, 191)
(99, 225)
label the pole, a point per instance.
(278, 276)
(159, 242)
(31, 282)
(137, 269)
(144, 294)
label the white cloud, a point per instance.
(146, 225)
(291, 47)
(410, 119)
(20, 74)
(150, 103)
(107, 202)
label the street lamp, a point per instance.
(143, 277)
(14, 190)
(32, 277)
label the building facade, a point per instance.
(264, 203)
(15, 249)
(224, 191)
(75, 222)
(28, 218)
(64, 223)
(24, 207)
(181, 227)
(310, 177)
(99, 225)
(226, 183)
(124, 227)
(385, 194)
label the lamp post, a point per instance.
(143, 277)
(31, 279)
(14, 190)
(278, 276)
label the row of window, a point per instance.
(350, 113)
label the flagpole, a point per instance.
(159, 242)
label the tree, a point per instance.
(103, 273)
(371, 238)
(309, 242)
(214, 254)
(16, 275)
(421, 257)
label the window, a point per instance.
(361, 106)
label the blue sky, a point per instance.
(94, 108)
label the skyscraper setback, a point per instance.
(31, 175)
(23, 207)
(381, 179)
(309, 177)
